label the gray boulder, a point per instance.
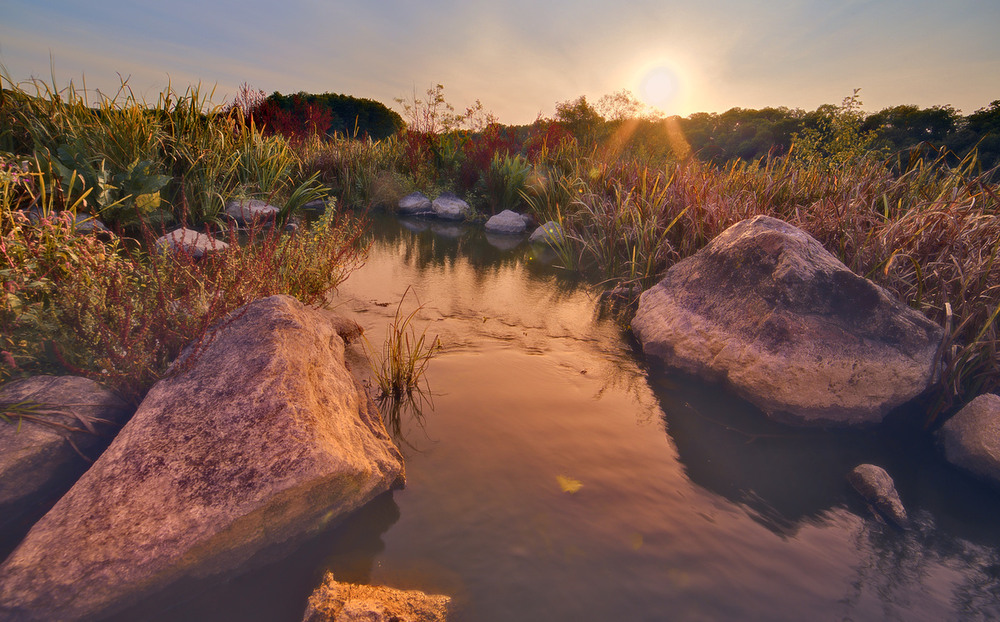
(415, 204)
(765, 308)
(344, 602)
(876, 486)
(550, 233)
(70, 421)
(189, 241)
(506, 222)
(257, 437)
(971, 438)
(450, 207)
(247, 211)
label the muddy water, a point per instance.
(557, 477)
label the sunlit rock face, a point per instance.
(971, 439)
(254, 439)
(71, 420)
(344, 602)
(766, 309)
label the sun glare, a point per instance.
(658, 87)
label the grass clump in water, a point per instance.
(399, 368)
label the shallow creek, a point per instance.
(558, 477)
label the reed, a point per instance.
(400, 366)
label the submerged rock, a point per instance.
(415, 204)
(768, 310)
(450, 207)
(192, 242)
(256, 438)
(344, 602)
(41, 458)
(246, 211)
(506, 222)
(971, 438)
(876, 486)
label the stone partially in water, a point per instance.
(450, 207)
(415, 204)
(971, 438)
(550, 233)
(344, 602)
(768, 310)
(506, 222)
(876, 486)
(258, 437)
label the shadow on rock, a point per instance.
(276, 591)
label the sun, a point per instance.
(659, 87)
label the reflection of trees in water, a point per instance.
(899, 569)
(427, 244)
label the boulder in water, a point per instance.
(765, 308)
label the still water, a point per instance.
(559, 477)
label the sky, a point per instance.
(521, 57)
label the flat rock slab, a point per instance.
(971, 438)
(876, 486)
(245, 211)
(345, 602)
(192, 242)
(71, 420)
(765, 308)
(258, 437)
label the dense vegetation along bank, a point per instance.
(633, 193)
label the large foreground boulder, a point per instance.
(66, 422)
(256, 438)
(971, 438)
(345, 602)
(768, 310)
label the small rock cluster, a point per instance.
(507, 223)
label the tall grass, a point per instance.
(930, 234)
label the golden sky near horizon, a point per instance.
(520, 58)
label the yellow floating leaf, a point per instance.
(636, 541)
(568, 484)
